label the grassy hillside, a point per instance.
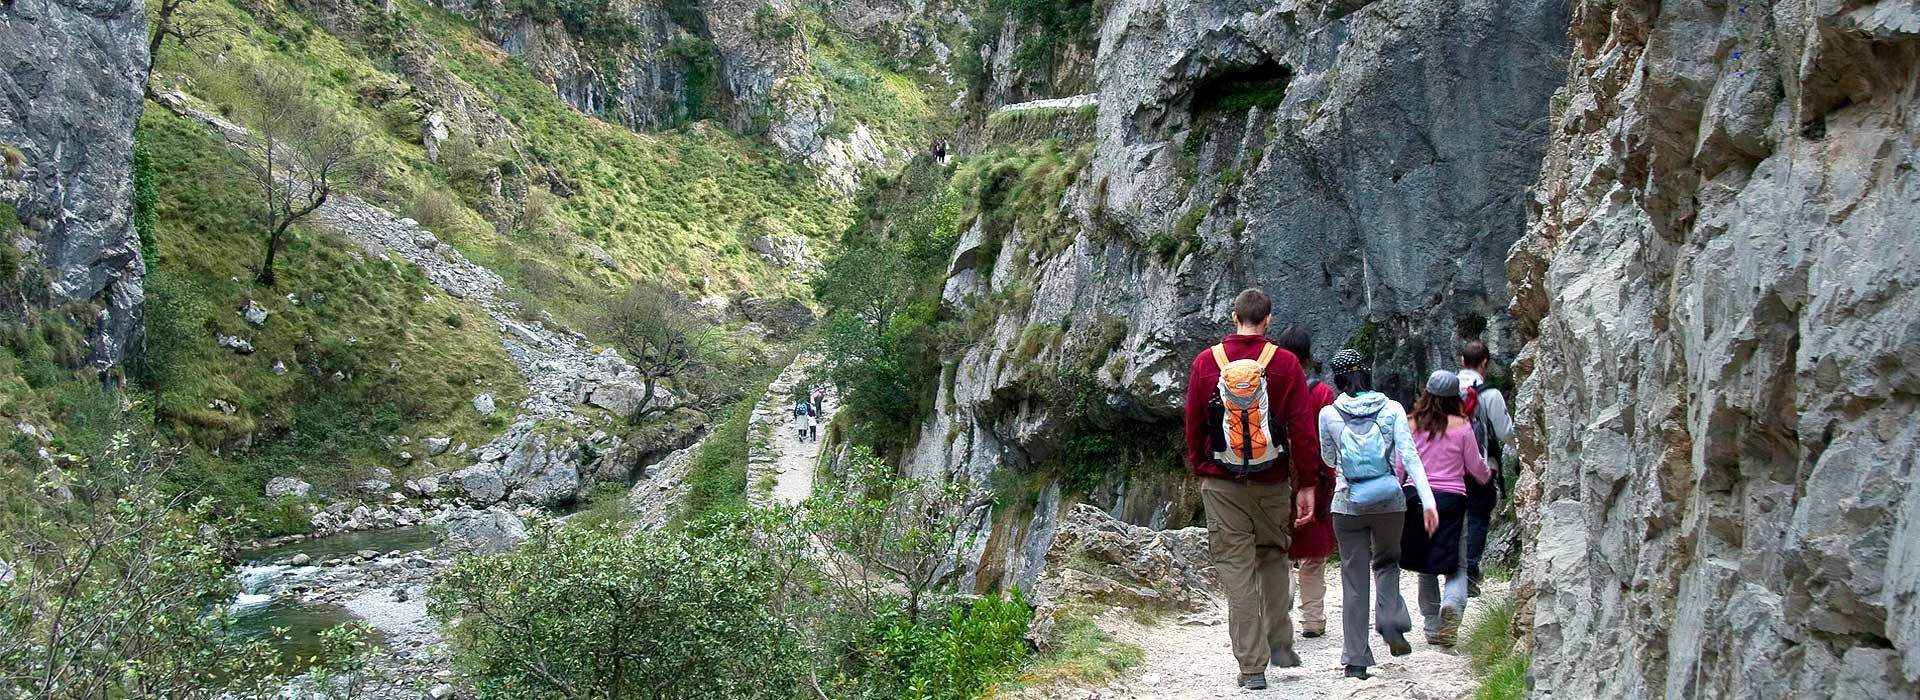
(371, 349)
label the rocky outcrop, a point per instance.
(1719, 391)
(1367, 167)
(1100, 561)
(490, 531)
(74, 75)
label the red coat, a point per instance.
(1315, 541)
(1287, 394)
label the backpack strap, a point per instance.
(1220, 355)
(1266, 355)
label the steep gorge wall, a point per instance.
(71, 72)
(1365, 165)
(1722, 373)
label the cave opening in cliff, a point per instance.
(1262, 85)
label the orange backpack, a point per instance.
(1242, 416)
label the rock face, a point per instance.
(1366, 166)
(1719, 390)
(74, 71)
(652, 65)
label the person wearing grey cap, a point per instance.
(1450, 453)
(1361, 435)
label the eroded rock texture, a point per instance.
(1366, 165)
(1723, 375)
(71, 77)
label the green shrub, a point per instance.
(599, 612)
(122, 594)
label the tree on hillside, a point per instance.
(299, 154)
(659, 334)
(169, 23)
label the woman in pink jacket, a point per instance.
(1444, 437)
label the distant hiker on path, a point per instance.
(1249, 436)
(1313, 543)
(802, 417)
(1493, 428)
(1360, 435)
(1451, 456)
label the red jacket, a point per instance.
(1315, 541)
(1294, 413)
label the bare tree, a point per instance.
(298, 155)
(660, 335)
(169, 23)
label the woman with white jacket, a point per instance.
(1360, 434)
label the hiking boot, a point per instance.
(1359, 672)
(1397, 643)
(1253, 681)
(1449, 625)
(1284, 658)
(1314, 634)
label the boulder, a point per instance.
(437, 446)
(236, 344)
(1098, 560)
(480, 483)
(783, 317)
(483, 403)
(424, 487)
(287, 486)
(490, 531)
(254, 314)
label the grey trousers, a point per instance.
(1454, 597)
(1369, 542)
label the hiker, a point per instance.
(1249, 436)
(802, 411)
(1492, 428)
(813, 422)
(1313, 543)
(819, 401)
(1360, 435)
(1451, 456)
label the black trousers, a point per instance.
(1482, 500)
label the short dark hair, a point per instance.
(1474, 354)
(1298, 341)
(1353, 382)
(1252, 306)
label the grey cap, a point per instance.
(1443, 383)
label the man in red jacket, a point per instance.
(1253, 508)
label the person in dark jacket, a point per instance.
(1313, 543)
(1252, 509)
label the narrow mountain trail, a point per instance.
(1187, 658)
(780, 463)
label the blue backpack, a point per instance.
(1366, 462)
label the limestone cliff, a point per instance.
(654, 64)
(72, 72)
(1720, 380)
(1367, 166)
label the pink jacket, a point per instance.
(1450, 458)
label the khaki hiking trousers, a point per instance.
(1248, 529)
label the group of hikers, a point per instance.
(807, 413)
(1292, 468)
